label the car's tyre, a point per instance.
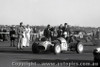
(34, 48)
(57, 48)
(79, 47)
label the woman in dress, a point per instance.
(28, 30)
(24, 39)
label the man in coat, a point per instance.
(20, 36)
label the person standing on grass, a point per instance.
(66, 32)
(60, 31)
(1, 34)
(66, 29)
(12, 36)
(24, 39)
(54, 33)
(98, 34)
(20, 36)
(28, 31)
(35, 36)
(47, 32)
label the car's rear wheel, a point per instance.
(80, 48)
(57, 49)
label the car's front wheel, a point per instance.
(79, 48)
(57, 49)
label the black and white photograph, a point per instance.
(49, 33)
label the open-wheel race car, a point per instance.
(60, 44)
(57, 46)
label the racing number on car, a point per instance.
(64, 44)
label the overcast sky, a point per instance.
(54, 12)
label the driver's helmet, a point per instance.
(65, 34)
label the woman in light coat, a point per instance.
(28, 30)
(24, 39)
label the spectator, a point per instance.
(12, 37)
(60, 31)
(20, 36)
(1, 34)
(35, 30)
(28, 31)
(4, 34)
(66, 29)
(93, 34)
(35, 36)
(24, 38)
(98, 34)
(47, 32)
(53, 33)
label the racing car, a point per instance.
(57, 46)
(72, 43)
